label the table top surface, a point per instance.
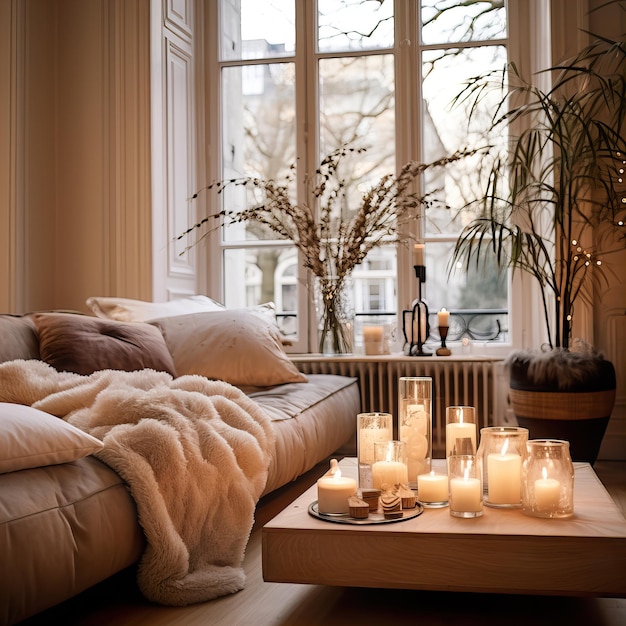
(595, 514)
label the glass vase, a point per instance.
(371, 428)
(334, 308)
(415, 423)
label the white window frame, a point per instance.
(532, 18)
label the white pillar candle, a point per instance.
(333, 493)
(465, 494)
(443, 317)
(547, 492)
(459, 430)
(432, 487)
(504, 477)
(418, 254)
(389, 473)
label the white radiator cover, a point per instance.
(455, 382)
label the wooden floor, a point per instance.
(118, 602)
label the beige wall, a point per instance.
(75, 109)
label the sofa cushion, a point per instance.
(127, 310)
(84, 344)
(19, 338)
(234, 345)
(32, 438)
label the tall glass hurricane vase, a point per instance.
(334, 309)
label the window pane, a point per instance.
(262, 29)
(449, 21)
(445, 130)
(482, 288)
(354, 25)
(357, 108)
(357, 102)
(270, 275)
(258, 136)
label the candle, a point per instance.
(504, 483)
(443, 317)
(432, 487)
(373, 337)
(389, 473)
(465, 494)
(418, 254)
(423, 334)
(459, 430)
(547, 492)
(333, 492)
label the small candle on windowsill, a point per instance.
(418, 254)
(443, 317)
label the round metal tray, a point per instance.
(375, 517)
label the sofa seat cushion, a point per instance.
(311, 422)
(63, 528)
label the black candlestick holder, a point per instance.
(443, 333)
(415, 326)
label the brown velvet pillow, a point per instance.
(84, 344)
(18, 339)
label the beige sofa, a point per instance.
(67, 520)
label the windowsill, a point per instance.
(312, 357)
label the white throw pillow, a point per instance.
(238, 346)
(32, 438)
(127, 310)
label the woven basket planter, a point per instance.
(579, 415)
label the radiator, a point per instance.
(455, 382)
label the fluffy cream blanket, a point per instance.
(194, 452)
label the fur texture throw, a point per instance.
(194, 452)
(558, 368)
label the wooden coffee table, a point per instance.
(504, 551)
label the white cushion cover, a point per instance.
(127, 310)
(31, 438)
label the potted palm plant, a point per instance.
(553, 207)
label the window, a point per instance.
(295, 79)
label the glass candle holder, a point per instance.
(371, 428)
(501, 451)
(548, 479)
(461, 430)
(465, 485)
(415, 423)
(390, 464)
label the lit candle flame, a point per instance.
(544, 473)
